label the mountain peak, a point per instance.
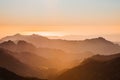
(35, 35)
(9, 42)
(38, 36)
(21, 42)
(101, 38)
(18, 34)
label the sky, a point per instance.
(81, 17)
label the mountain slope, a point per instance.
(105, 58)
(94, 70)
(7, 75)
(13, 64)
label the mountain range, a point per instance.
(36, 56)
(111, 37)
(95, 45)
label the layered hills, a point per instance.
(95, 45)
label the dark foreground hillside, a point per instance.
(93, 69)
(7, 75)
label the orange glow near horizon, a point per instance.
(45, 33)
(60, 30)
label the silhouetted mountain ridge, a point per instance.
(20, 46)
(96, 45)
(29, 38)
(105, 58)
(92, 69)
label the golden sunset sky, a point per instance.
(60, 17)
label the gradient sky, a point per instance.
(84, 17)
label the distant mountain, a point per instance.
(95, 45)
(34, 39)
(20, 46)
(111, 37)
(10, 62)
(92, 69)
(8, 75)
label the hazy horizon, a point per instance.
(60, 17)
(51, 35)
